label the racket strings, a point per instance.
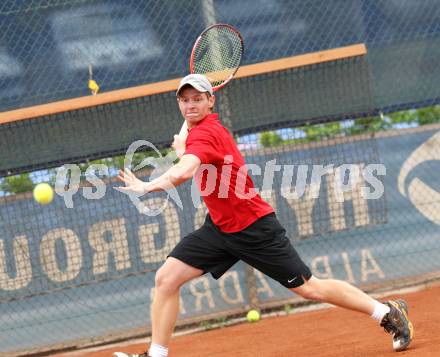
(218, 54)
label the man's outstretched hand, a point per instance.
(132, 183)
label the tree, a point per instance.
(429, 115)
(17, 184)
(322, 131)
(421, 116)
(270, 138)
(369, 125)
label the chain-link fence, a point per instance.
(82, 267)
(46, 47)
(352, 180)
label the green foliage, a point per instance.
(270, 138)
(321, 131)
(17, 184)
(218, 322)
(405, 117)
(221, 321)
(368, 125)
(23, 182)
(412, 117)
(288, 308)
(117, 162)
(206, 325)
(421, 116)
(429, 115)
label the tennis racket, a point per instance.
(217, 54)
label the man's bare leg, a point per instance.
(165, 308)
(336, 292)
(393, 315)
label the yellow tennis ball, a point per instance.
(253, 316)
(43, 193)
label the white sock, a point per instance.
(157, 351)
(380, 310)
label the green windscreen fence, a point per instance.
(316, 93)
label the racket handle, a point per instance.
(183, 134)
(184, 131)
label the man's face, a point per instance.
(194, 105)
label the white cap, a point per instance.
(197, 81)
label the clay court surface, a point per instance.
(328, 332)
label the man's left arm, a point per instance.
(175, 175)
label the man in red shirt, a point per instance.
(240, 226)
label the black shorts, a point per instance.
(263, 245)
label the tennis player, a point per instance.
(240, 225)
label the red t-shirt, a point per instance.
(226, 187)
